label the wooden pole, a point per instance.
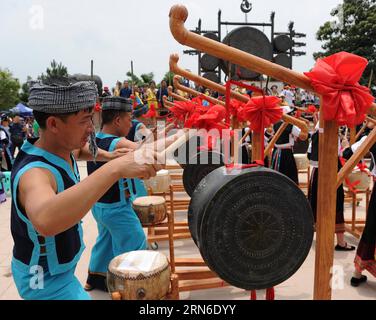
(359, 155)
(167, 103)
(326, 209)
(352, 136)
(176, 96)
(132, 74)
(92, 69)
(370, 79)
(195, 93)
(256, 146)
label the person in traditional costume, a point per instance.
(151, 96)
(119, 229)
(138, 130)
(283, 159)
(313, 156)
(48, 199)
(137, 133)
(6, 155)
(365, 259)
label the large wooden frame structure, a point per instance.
(328, 178)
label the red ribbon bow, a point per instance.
(262, 112)
(336, 78)
(181, 110)
(235, 109)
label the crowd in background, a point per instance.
(151, 95)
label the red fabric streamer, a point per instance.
(353, 186)
(336, 78)
(270, 294)
(231, 167)
(262, 112)
(253, 295)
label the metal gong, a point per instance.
(212, 76)
(283, 60)
(211, 35)
(282, 43)
(85, 77)
(254, 229)
(187, 150)
(209, 63)
(199, 167)
(250, 40)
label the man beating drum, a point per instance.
(119, 229)
(49, 200)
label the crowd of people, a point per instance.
(147, 94)
(151, 95)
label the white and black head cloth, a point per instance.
(117, 103)
(64, 97)
(58, 99)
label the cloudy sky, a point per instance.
(114, 32)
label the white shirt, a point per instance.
(289, 96)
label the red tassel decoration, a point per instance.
(253, 295)
(270, 294)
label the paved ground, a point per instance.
(299, 287)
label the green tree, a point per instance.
(169, 78)
(354, 32)
(145, 78)
(24, 94)
(133, 79)
(9, 88)
(55, 71)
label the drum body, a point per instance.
(360, 180)
(254, 229)
(160, 183)
(199, 166)
(150, 210)
(139, 275)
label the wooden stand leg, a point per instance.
(308, 176)
(256, 147)
(353, 221)
(326, 209)
(171, 224)
(174, 293)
